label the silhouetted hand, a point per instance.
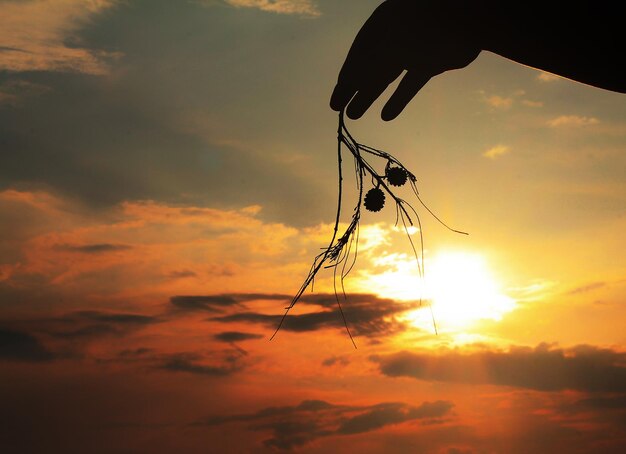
(425, 38)
(582, 41)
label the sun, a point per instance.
(459, 286)
(463, 290)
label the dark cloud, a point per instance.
(216, 303)
(162, 130)
(544, 368)
(602, 403)
(135, 352)
(236, 336)
(181, 274)
(86, 332)
(586, 288)
(608, 409)
(70, 331)
(385, 414)
(12, 49)
(367, 315)
(115, 318)
(19, 346)
(339, 360)
(92, 324)
(204, 303)
(94, 248)
(294, 426)
(218, 366)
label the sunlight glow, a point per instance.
(460, 286)
(463, 290)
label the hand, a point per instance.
(425, 38)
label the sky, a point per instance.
(168, 173)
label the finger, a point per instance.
(369, 93)
(361, 68)
(408, 87)
(369, 43)
(354, 69)
(377, 70)
(342, 94)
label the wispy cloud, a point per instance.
(35, 36)
(97, 248)
(298, 425)
(499, 102)
(193, 363)
(496, 151)
(572, 120)
(306, 8)
(586, 288)
(547, 77)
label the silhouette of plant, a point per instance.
(338, 255)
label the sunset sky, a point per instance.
(168, 173)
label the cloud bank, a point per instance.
(543, 368)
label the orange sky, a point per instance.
(168, 174)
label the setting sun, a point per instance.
(460, 286)
(463, 290)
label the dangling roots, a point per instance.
(338, 254)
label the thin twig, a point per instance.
(338, 251)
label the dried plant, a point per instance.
(339, 254)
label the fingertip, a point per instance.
(339, 98)
(334, 102)
(335, 107)
(405, 92)
(354, 113)
(389, 114)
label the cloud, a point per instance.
(586, 288)
(193, 363)
(599, 403)
(547, 77)
(135, 352)
(603, 411)
(12, 91)
(211, 303)
(94, 248)
(236, 336)
(54, 249)
(186, 123)
(367, 315)
(215, 303)
(306, 8)
(77, 326)
(499, 102)
(544, 368)
(19, 346)
(572, 121)
(92, 325)
(115, 318)
(181, 274)
(294, 426)
(40, 36)
(333, 360)
(497, 151)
